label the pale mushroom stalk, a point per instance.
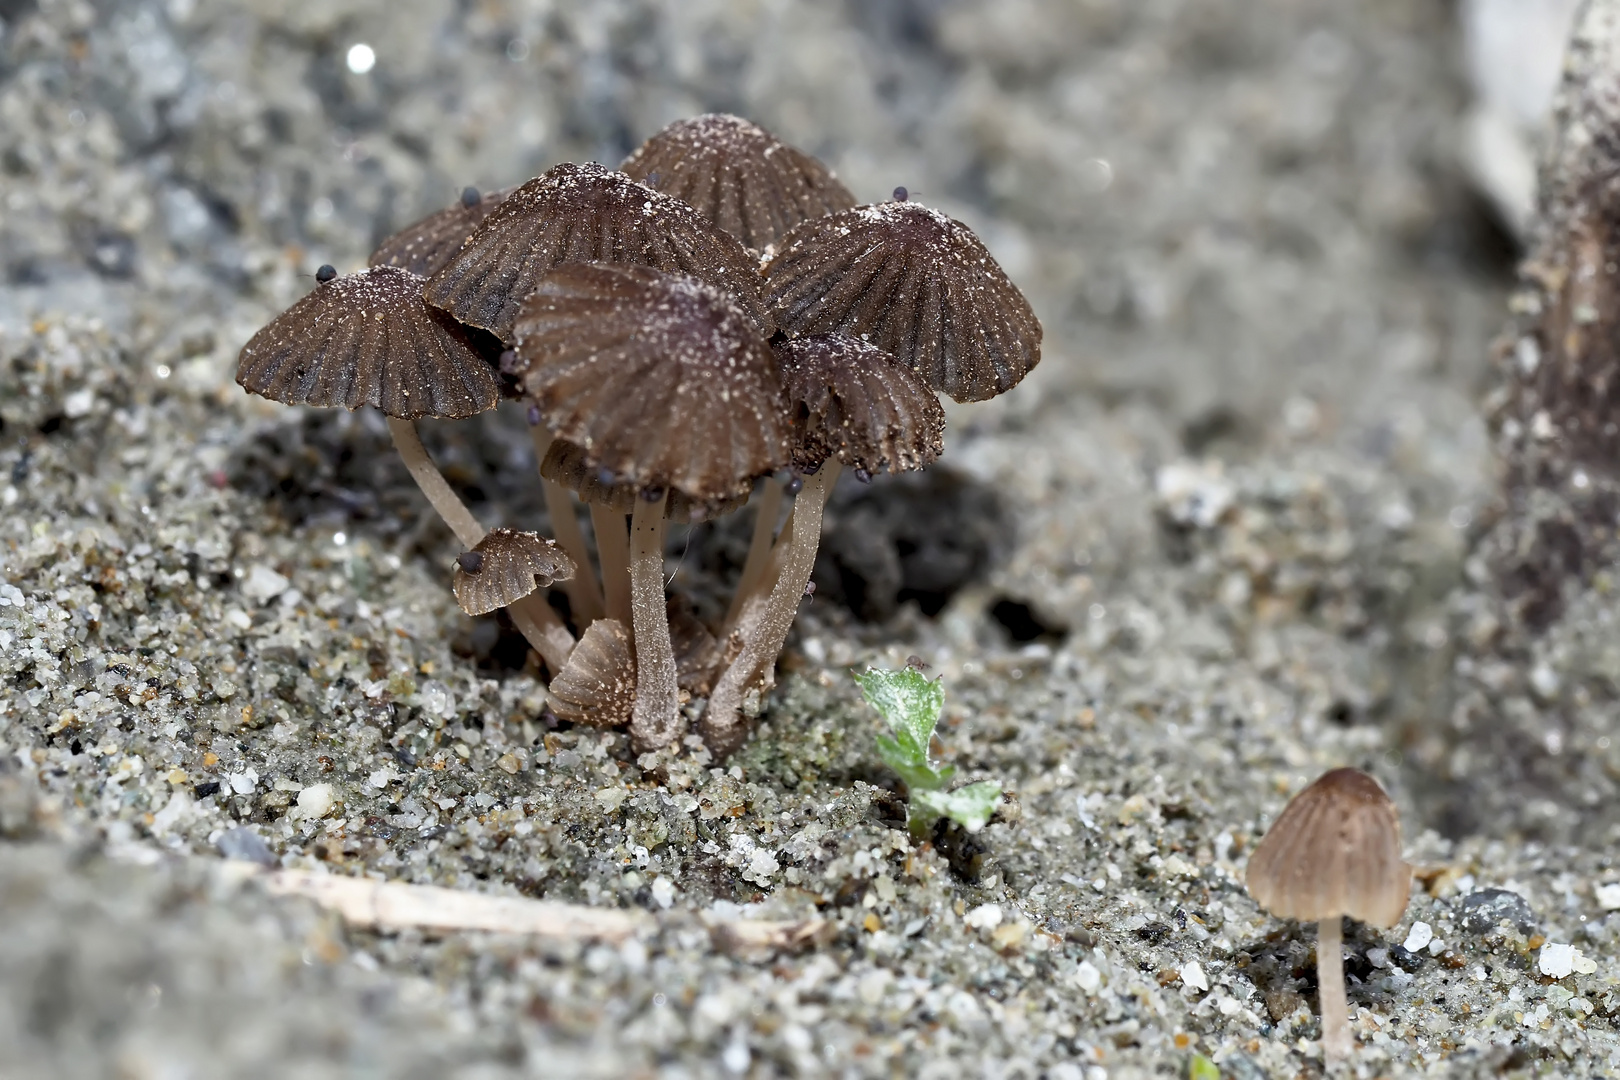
(765, 627)
(532, 615)
(759, 549)
(1336, 1041)
(655, 717)
(584, 594)
(613, 548)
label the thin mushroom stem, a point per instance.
(1336, 1040)
(613, 548)
(765, 622)
(532, 615)
(584, 594)
(655, 717)
(759, 549)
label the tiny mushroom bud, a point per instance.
(326, 273)
(470, 197)
(506, 566)
(901, 194)
(1334, 851)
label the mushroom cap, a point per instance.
(1335, 850)
(913, 282)
(368, 339)
(585, 213)
(661, 380)
(739, 176)
(572, 467)
(854, 402)
(425, 246)
(597, 685)
(510, 565)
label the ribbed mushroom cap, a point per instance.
(505, 566)
(739, 176)
(1335, 850)
(367, 339)
(586, 213)
(913, 282)
(597, 685)
(425, 246)
(661, 380)
(852, 401)
(571, 467)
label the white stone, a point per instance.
(79, 403)
(1418, 937)
(243, 783)
(984, 917)
(317, 800)
(263, 584)
(1193, 977)
(1557, 961)
(1088, 977)
(663, 892)
(1608, 896)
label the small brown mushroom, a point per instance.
(368, 339)
(916, 284)
(425, 246)
(504, 567)
(667, 384)
(586, 213)
(739, 176)
(598, 684)
(1334, 851)
(853, 405)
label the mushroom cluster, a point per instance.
(714, 323)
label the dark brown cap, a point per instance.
(597, 685)
(424, 247)
(852, 401)
(586, 213)
(739, 176)
(368, 339)
(505, 566)
(661, 380)
(913, 282)
(572, 467)
(1335, 850)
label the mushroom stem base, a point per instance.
(655, 719)
(1336, 1039)
(765, 621)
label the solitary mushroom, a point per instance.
(504, 567)
(852, 405)
(667, 385)
(424, 246)
(1334, 851)
(585, 213)
(916, 284)
(739, 176)
(367, 339)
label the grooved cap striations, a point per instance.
(580, 214)
(597, 685)
(425, 246)
(508, 566)
(368, 339)
(916, 284)
(854, 402)
(738, 175)
(661, 380)
(570, 466)
(1335, 850)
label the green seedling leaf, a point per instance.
(1201, 1068)
(917, 775)
(910, 704)
(970, 806)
